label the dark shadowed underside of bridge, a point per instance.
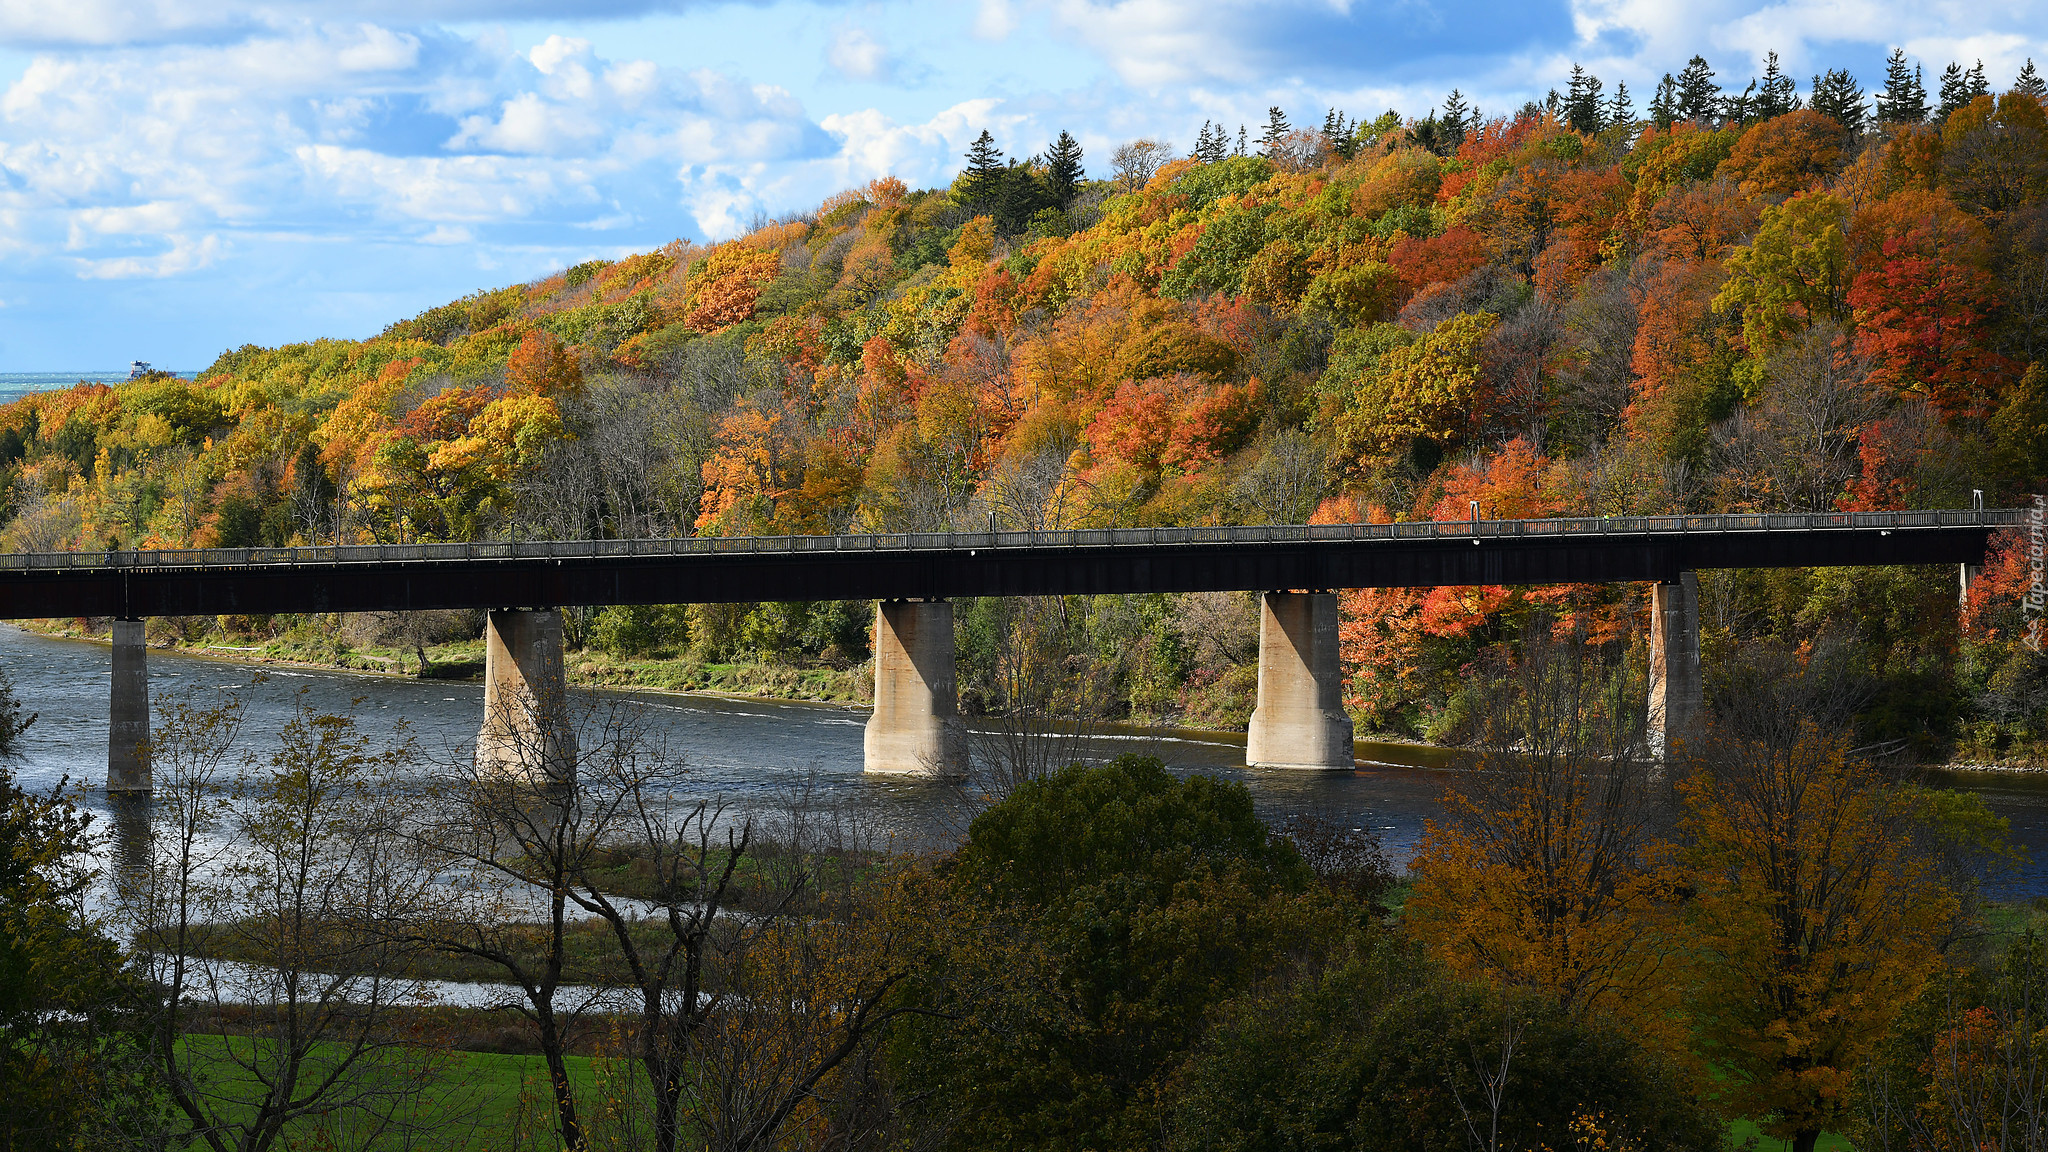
(939, 565)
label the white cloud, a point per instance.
(995, 20)
(110, 22)
(855, 54)
(1153, 43)
(116, 23)
(183, 254)
(874, 145)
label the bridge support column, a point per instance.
(915, 728)
(1300, 720)
(526, 731)
(128, 711)
(1675, 693)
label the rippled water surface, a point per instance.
(754, 754)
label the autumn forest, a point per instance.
(1742, 297)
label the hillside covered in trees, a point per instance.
(1754, 300)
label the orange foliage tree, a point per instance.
(1813, 916)
(542, 366)
(1543, 873)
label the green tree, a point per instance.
(1021, 192)
(980, 185)
(1374, 1048)
(1955, 90)
(1275, 133)
(1150, 901)
(1583, 108)
(1341, 134)
(1428, 390)
(1621, 111)
(2029, 81)
(1698, 97)
(1459, 118)
(1905, 98)
(1063, 171)
(2019, 431)
(1664, 104)
(1794, 272)
(72, 1068)
(1837, 96)
(1777, 94)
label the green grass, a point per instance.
(480, 1102)
(1741, 1132)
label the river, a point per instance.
(755, 754)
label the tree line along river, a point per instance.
(754, 755)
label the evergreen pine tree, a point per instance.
(1621, 111)
(1778, 93)
(1741, 107)
(1063, 170)
(1664, 105)
(1458, 116)
(1020, 192)
(1837, 95)
(1275, 133)
(1213, 144)
(1342, 133)
(1584, 110)
(2029, 81)
(1699, 98)
(1955, 90)
(1904, 100)
(1428, 133)
(981, 185)
(1979, 86)
(1240, 142)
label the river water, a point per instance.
(755, 754)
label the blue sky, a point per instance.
(178, 177)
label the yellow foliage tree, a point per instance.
(1814, 914)
(1422, 391)
(1795, 271)
(1544, 874)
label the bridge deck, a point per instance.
(733, 569)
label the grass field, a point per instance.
(489, 1102)
(1742, 1131)
(480, 1101)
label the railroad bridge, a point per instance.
(1299, 721)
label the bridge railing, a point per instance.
(323, 555)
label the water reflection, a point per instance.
(129, 826)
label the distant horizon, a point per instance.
(60, 376)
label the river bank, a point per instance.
(463, 660)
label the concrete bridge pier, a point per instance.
(527, 734)
(1300, 720)
(1676, 698)
(128, 711)
(915, 728)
